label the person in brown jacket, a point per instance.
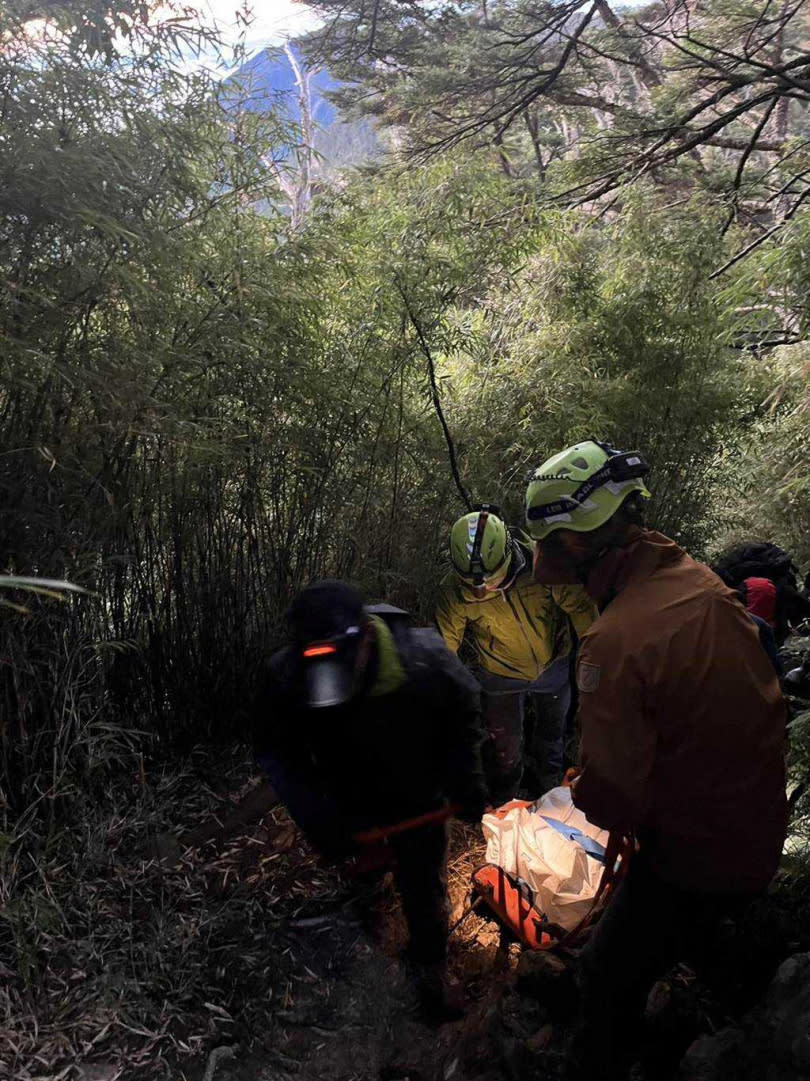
(682, 738)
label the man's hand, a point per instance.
(570, 778)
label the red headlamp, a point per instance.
(322, 650)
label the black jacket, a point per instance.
(377, 759)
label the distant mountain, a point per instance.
(267, 81)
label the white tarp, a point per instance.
(561, 875)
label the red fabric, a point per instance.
(760, 599)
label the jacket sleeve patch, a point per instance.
(588, 676)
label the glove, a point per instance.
(571, 777)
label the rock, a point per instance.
(548, 979)
(800, 1048)
(771, 1042)
(791, 975)
(516, 1059)
(787, 1011)
(217, 1055)
(659, 999)
(399, 1072)
(99, 1071)
(166, 849)
(538, 969)
(710, 1057)
(520, 1015)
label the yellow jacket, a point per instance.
(517, 633)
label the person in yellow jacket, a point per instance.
(521, 633)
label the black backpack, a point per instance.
(756, 559)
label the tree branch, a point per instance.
(435, 395)
(765, 146)
(746, 154)
(761, 239)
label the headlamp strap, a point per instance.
(619, 466)
(476, 562)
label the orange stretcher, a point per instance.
(512, 903)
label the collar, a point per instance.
(390, 673)
(645, 552)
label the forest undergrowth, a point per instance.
(184, 926)
(168, 924)
(226, 372)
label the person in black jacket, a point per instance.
(761, 559)
(364, 722)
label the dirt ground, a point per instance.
(197, 937)
(186, 932)
(349, 1011)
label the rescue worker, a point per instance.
(363, 722)
(759, 596)
(521, 635)
(683, 728)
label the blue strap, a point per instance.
(593, 848)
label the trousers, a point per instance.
(526, 725)
(420, 877)
(420, 855)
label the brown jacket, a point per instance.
(683, 724)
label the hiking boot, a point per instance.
(440, 996)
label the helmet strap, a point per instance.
(517, 564)
(476, 574)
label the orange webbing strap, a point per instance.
(381, 833)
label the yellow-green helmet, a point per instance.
(480, 546)
(581, 488)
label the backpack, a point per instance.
(756, 559)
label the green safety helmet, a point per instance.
(581, 488)
(480, 546)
